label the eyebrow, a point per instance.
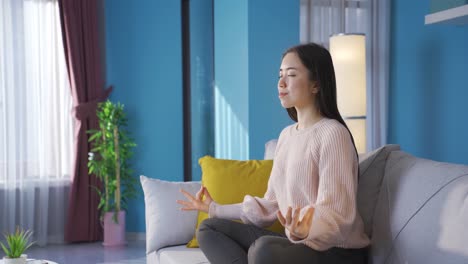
(289, 68)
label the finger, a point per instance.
(288, 216)
(188, 209)
(186, 206)
(199, 193)
(207, 194)
(187, 195)
(281, 218)
(184, 203)
(308, 216)
(295, 221)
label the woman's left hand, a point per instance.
(298, 228)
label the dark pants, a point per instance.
(224, 241)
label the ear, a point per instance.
(314, 87)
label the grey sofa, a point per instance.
(415, 211)
(421, 215)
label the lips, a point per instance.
(282, 94)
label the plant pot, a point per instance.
(114, 233)
(20, 260)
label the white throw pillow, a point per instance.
(166, 224)
(270, 147)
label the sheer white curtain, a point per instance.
(35, 123)
(379, 77)
(322, 18)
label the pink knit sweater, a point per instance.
(315, 167)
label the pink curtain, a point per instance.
(82, 26)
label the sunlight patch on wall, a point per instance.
(231, 137)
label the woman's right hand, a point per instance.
(197, 202)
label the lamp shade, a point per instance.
(348, 53)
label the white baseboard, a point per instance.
(136, 236)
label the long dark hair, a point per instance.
(319, 65)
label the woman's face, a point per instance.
(294, 87)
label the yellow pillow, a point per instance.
(228, 181)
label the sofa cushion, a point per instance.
(371, 172)
(422, 213)
(179, 255)
(228, 181)
(166, 224)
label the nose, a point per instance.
(281, 83)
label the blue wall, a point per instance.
(143, 43)
(144, 65)
(231, 54)
(249, 42)
(231, 78)
(202, 76)
(429, 85)
(271, 31)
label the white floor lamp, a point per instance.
(348, 52)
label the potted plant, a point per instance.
(17, 244)
(109, 161)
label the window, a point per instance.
(36, 138)
(321, 18)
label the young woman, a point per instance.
(312, 187)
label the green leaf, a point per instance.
(7, 252)
(17, 243)
(95, 135)
(96, 149)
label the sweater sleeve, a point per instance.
(228, 211)
(260, 211)
(253, 210)
(335, 207)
